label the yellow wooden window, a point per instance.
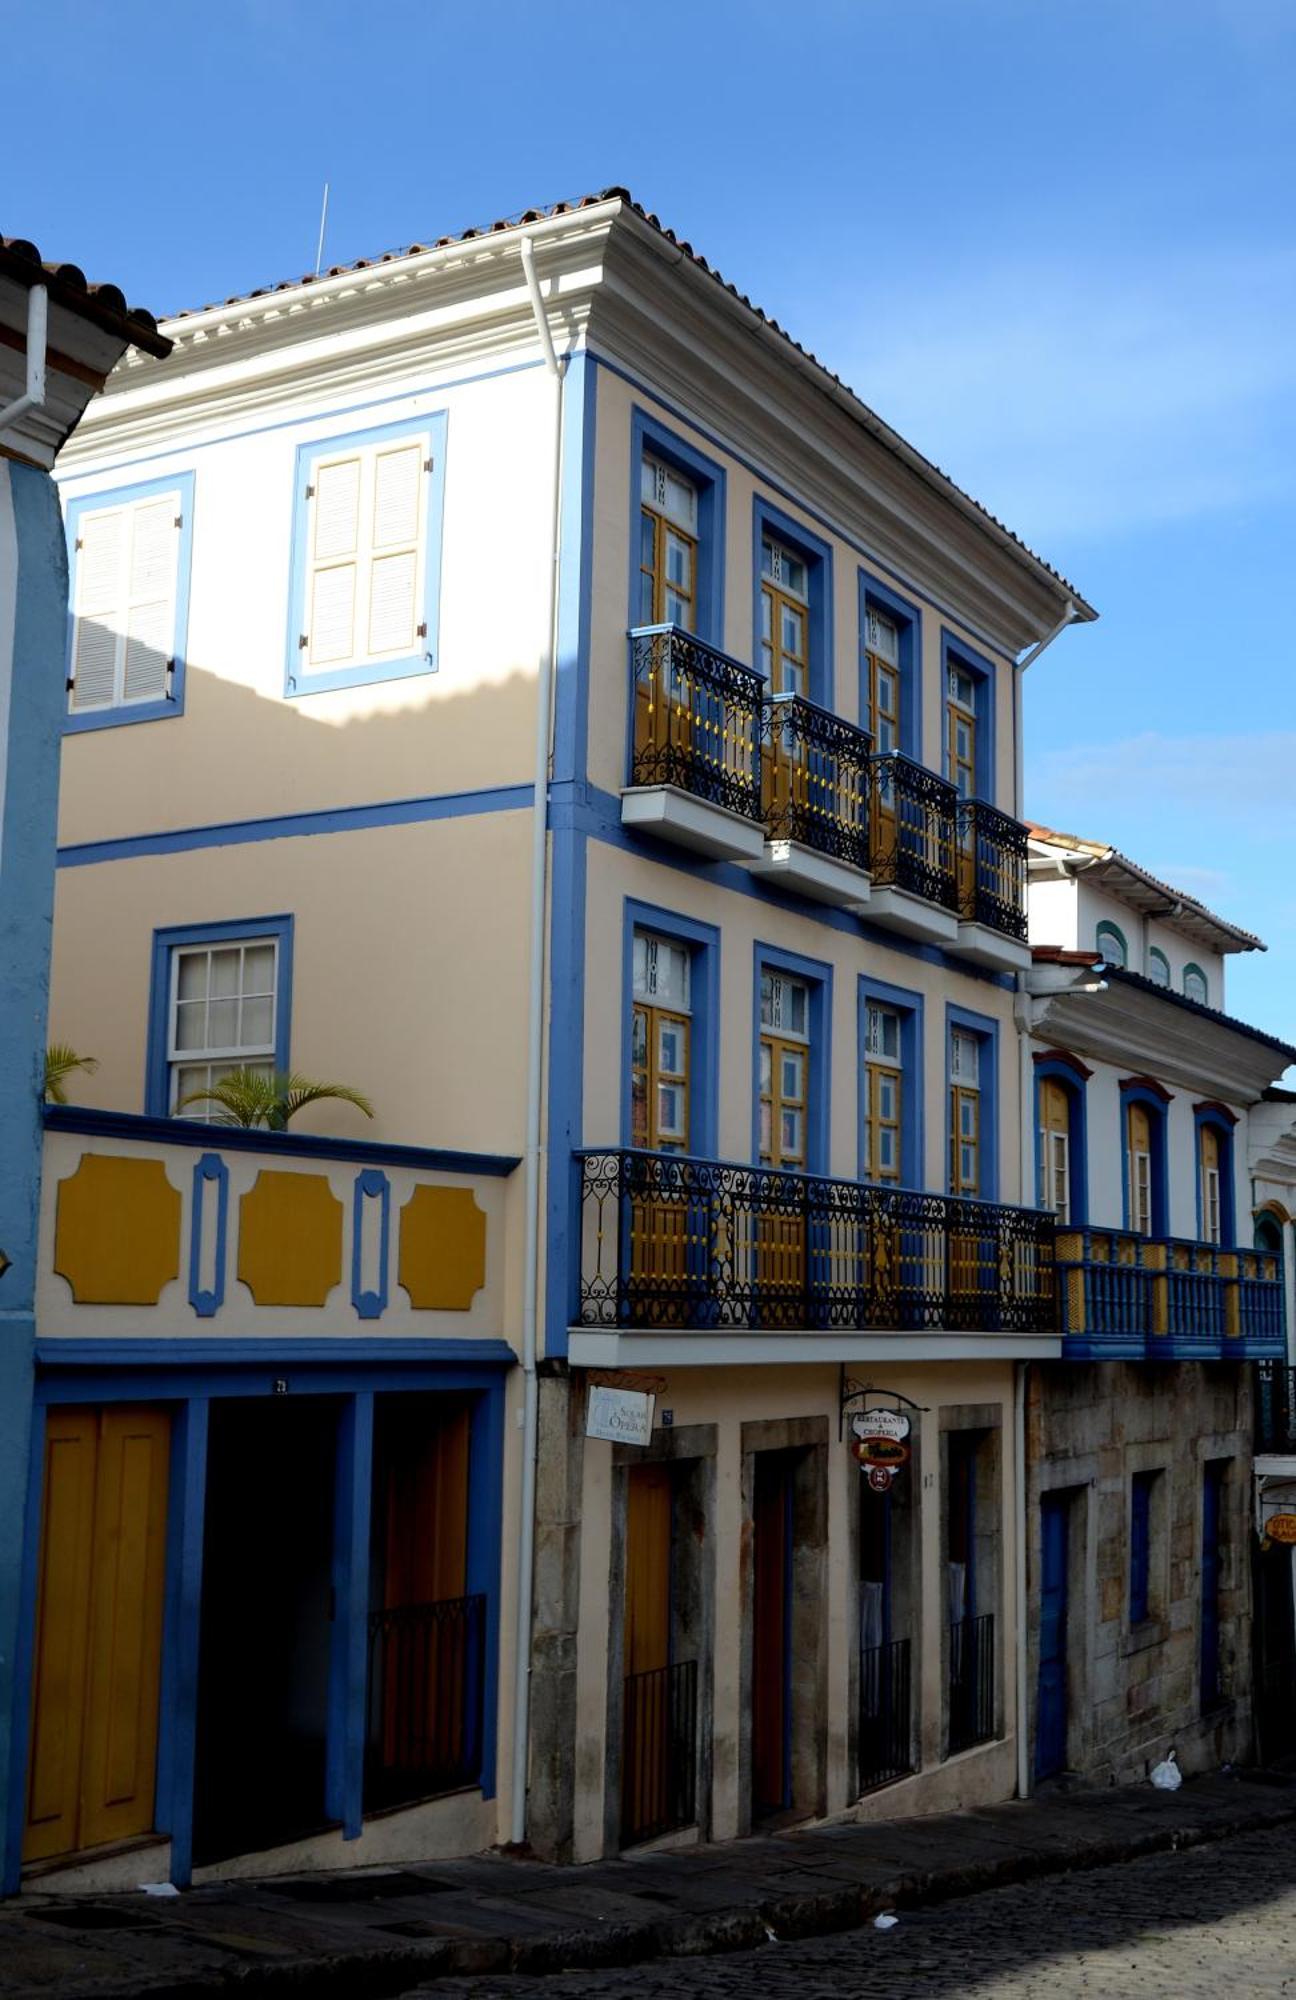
(884, 1096)
(667, 547)
(960, 724)
(659, 1047)
(785, 620)
(882, 663)
(965, 1115)
(1138, 1167)
(784, 1070)
(1055, 1149)
(1208, 1167)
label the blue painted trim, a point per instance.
(298, 682)
(913, 1109)
(181, 1633)
(1204, 1116)
(116, 496)
(132, 1125)
(818, 976)
(767, 519)
(1112, 930)
(482, 1566)
(709, 478)
(954, 652)
(987, 1032)
(209, 1168)
(216, 1366)
(600, 814)
(157, 1069)
(1055, 1069)
(1134, 1092)
(298, 826)
(908, 621)
(703, 941)
(18, 1721)
(371, 1184)
(762, 473)
(348, 1640)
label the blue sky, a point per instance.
(1053, 241)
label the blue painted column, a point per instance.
(349, 1660)
(33, 648)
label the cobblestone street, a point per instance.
(1215, 1920)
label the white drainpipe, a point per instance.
(535, 1075)
(33, 397)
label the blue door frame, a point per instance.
(1051, 1709)
(101, 1371)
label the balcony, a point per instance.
(1135, 1298)
(912, 824)
(814, 802)
(713, 1251)
(694, 775)
(990, 867)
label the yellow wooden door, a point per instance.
(98, 1653)
(645, 1732)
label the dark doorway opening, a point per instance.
(263, 1672)
(1052, 1710)
(772, 1548)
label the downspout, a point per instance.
(535, 1077)
(1019, 1503)
(33, 397)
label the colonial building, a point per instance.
(512, 678)
(1272, 1147)
(1149, 1101)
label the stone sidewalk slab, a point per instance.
(372, 1933)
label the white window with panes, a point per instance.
(884, 1094)
(668, 546)
(661, 1029)
(784, 1069)
(221, 1016)
(965, 1113)
(366, 556)
(882, 665)
(785, 619)
(126, 579)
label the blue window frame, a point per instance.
(1072, 1075)
(907, 619)
(164, 611)
(1140, 1567)
(164, 1056)
(908, 1007)
(817, 977)
(958, 658)
(1109, 939)
(986, 1035)
(1154, 1100)
(345, 629)
(651, 439)
(702, 941)
(1219, 1120)
(770, 522)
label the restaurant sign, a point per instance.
(880, 1445)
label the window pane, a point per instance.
(257, 1026)
(191, 975)
(258, 968)
(792, 1075)
(225, 972)
(222, 1024)
(766, 1067)
(191, 1024)
(791, 1129)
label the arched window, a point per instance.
(1112, 945)
(1215, 1207)
(1268, 1234)
(1195, 985)
(1158, 967)
(1060, 1137)
(1143, 1142)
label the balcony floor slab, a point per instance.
(803, 869)
(900, 910)
(988, 947)
(595, 1347)
(692, 822)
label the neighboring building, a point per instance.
(1148, 1103)
(322, 567)
(1273, 1184)
(59, 337)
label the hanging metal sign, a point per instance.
(623, 1416)
(881, 1445)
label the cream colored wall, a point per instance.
(242, 750)
(386, 994)
(1096, 906)
(729, 1399)
(613, 876)
(614, 553)
(1052, 910)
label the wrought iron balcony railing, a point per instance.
(912, 823)
(426, 1683)
(815, 779)
(1275, 1408)
(659, 1751)
(696, 720)
(669, 1241)
(1123, 1295)
(991, 868)
(885, 1720)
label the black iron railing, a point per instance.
(696, 719)
(669, 1241)
(991, 868)
(814, 779)
(971, 1681)
(659, 1751)
(885, 1725)
(1274, 1707)
(912, 816)
(426, 1681)
(1275, 1407)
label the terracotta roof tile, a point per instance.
(103, 305)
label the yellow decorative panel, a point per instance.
(117, 1231)
(290, 1239)
(442, 1248)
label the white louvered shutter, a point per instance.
(366, 571)
(126, 581)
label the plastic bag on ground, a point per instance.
(1166, 1776)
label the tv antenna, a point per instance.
(319, 248)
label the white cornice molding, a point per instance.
(1140, 1035)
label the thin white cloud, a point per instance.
(1246, 775)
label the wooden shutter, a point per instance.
(393, 592)
(98, 609)
(126, 585)
(365, 563)
(150, 598)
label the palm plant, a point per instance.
(61, 1061)
(250, 1097)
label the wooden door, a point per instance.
(98, 1651)
(646, 1733)
(771, 1617)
